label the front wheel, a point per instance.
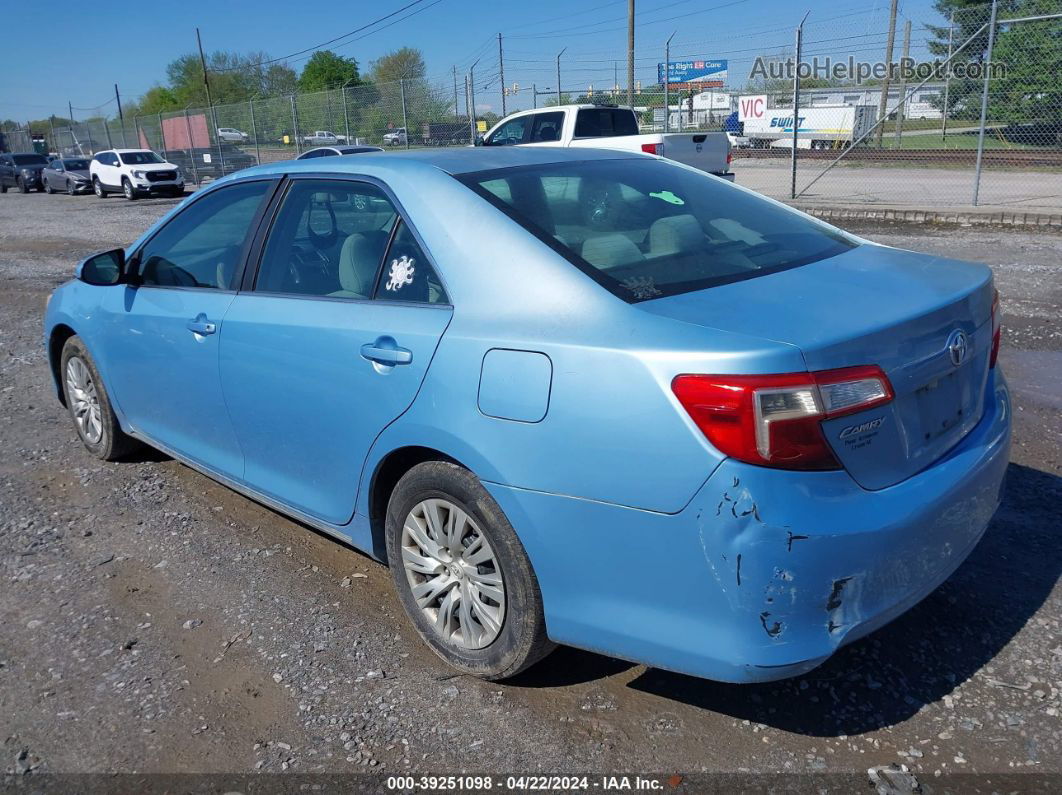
(70, 188)
(127, 189)
(90, 406)
(97, 188)
(462, 575)
(22, 186)
(48, 187)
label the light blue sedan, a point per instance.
(578, 397)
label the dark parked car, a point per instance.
(70, 174)
(205, 162)
(21, 170)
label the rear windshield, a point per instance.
(139, 158)
(30, 160)
(605, 123)
(646, 228)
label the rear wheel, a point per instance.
(89, 405)
(98, 188)
(462, 574)
(127, 189)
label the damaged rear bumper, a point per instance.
(765, 573)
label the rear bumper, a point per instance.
(728, 176)
(765, 573)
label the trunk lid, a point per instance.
(873, 305)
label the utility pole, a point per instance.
(210, 102)
(534, 95)
(615, 79)
(903, 83)
(883, 103)
(630, 53)
(947, 77)
(984, 104)
(667, 82)
(558, 74)
(121, 118)
(796, 105)
(457, 110)
(501, 73)
(472, 97)
(471, 121)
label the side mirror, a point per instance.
(479, 140)
(102, 270)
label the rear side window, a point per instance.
(645, 228)
(407, 274)
(546, 127)
(605, 123)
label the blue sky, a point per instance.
(133, 45)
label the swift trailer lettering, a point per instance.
(823, 127)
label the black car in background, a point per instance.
(206, 162)
(22, 170)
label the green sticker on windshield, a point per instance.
(667, 196)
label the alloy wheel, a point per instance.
(84, 399)
(453, 574)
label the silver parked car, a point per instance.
(69, 173)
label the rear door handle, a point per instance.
(386, 351)
(201, 325)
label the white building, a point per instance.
(921, 104)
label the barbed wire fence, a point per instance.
(975, 119)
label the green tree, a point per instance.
(403, 64)
(1031, 53)
(327, 70)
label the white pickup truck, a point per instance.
(609, 127)
(323, 138)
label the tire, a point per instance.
(508, 632)
(22, 187)
(98, 188)
(3, 188)
(90, 406)
(127, 189)
(70, 188)
(48, 187)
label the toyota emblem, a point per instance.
(958, 345)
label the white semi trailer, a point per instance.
(822, 127)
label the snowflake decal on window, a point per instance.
(642, 287)
(401, 273)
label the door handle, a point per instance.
(385, 351)
(201, 325)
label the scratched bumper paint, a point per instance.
(765, 573)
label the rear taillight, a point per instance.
(775, 420)
(653, 149)
(729, 158)
(997, 329)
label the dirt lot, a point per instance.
(157, 622)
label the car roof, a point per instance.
(458, 160)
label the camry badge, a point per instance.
(957, 347)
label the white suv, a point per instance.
(134, 172)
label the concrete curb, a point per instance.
(922, 215)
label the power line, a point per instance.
(330, 41)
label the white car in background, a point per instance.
(232, 135)
(395, 137)
(134, 172)
(324, 138)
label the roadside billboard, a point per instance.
(693, 73)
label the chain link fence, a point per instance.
(975, 117)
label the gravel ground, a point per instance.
(156, 622)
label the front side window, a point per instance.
(512, 132)
(140, 158)
(202, 244)
(645, 228)
(327, 240)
